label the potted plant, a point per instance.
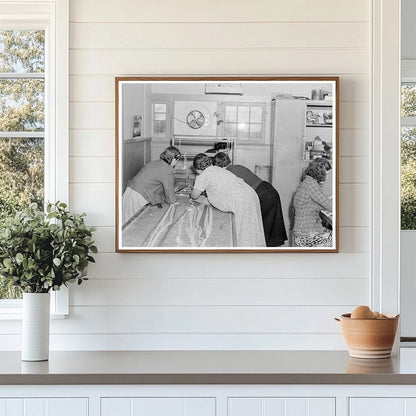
(40, 252)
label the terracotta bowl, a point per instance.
(369, 338)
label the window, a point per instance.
(160, 119)
(33, 112)
(22, 124)
(244, 121)
(408, 156)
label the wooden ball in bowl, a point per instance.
(362, 312)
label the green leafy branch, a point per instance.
(43, 251)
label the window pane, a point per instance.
(160, 116)
(22, 105)
(21, 109)
(243, 131)
(159, 128)
(408, 175)
(21, 173)
(21, 183)
(255, 131)
(231, 113)
(160, 108)
(230, 129)
(243, 114)
(408, 100)
(22, 51)
(408, 144)
(256, 114)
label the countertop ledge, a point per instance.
(207, 367)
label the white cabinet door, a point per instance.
(160, 406)
(11, 407)
(67, 407)
(377, 407)
(44, 407)
(281, 406)
(381, 406)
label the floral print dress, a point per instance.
(228, 193)
(308, 201)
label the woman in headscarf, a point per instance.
(308, 201)
(153, 184)
(271, 209)
(228, 193)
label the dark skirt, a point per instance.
(271, 212)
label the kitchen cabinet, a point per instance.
(296, 140)
(209, 400)
(281, 406)
(382, 406)
(44, 407)
(159, 406)
(208, 383)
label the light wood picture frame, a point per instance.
(227, 164)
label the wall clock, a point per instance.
(195, 119)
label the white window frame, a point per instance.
(248, 104)
(385, 151)
(166, 103)
(408, 74)
(53, 17)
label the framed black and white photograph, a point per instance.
(227, 164)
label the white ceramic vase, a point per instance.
(35, 326)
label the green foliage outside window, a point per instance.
(408, 105)
(408, 160)
(21, 174)
(408, 179)
(21, 110)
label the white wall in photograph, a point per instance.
(133, 106)
(214, 301)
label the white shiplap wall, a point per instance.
(211, 301)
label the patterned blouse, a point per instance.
(228, 193)
(308, 201)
